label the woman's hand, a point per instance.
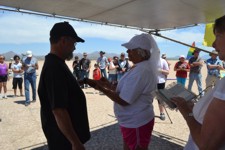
(185, 107)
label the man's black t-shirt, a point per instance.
(77, 65)
(84, 64)
(59, 89)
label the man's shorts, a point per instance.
(160, 86)
(138, 137)
(17, 81)
(3, 78)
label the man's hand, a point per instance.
(91, 83)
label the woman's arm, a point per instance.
(107, 89)
(213, 127)
(211, 134)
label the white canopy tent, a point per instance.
(147, 14)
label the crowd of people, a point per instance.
(110, 68)
(130, 86)
(23, 71)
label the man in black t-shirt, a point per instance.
(123, 66)
(63, 103)
(76, 68)
(85, 66)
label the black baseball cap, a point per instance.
(64, 29)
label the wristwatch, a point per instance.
(190, 114)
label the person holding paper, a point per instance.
(206, 119)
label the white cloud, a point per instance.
(20, 28)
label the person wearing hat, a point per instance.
(214, 65)
(85, 66)
(133, 95)
(30, 65)
(164, 57)
(113, 65)
(205, 119)
(181, 67)
(102, 61)
(163, 68)
(123, 66)
(76, 68)
(196, 63)
(63, 104)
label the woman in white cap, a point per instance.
(132, 97)
(181, 68)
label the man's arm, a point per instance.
(89, 66)
(165, 69)
(198, 63)
(65, 125)
(36, 66)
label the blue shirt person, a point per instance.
(102, 61)
(214, 65)
(30, 65)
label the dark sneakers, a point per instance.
(27, 104)
(162, 116)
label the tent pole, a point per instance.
(157, 34)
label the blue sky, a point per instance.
(21, 32)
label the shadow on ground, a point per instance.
(21, 102)
(109, 138)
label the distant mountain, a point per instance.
(205, 57)
(95, 55)
(9, 55)
(91, 56)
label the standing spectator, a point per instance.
(3, 77)
(102, 61)
(96, 73)
(17, 75)
(196, 63)
(181, 68)
(123, 66)
(113, 65)
(164, 57)
(85, 65)
(63, 104)
(163, 72)
(76, 68)
(214, 66)
(30, 65)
